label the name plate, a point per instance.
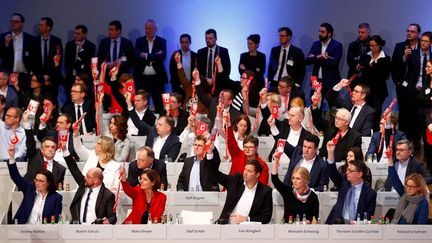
(277, 198)
(291, 231)
(355, 232)
(266, 142)
(170, 167)
(4, 171)
(30, 232)
(387, 199)
(157, 231)
(408, 232)
(194, 198)
(328, 198)
(252, 231)
(181, 231)
(378, 169)
(282, 170)
(86, 232)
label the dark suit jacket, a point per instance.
(330, 67)
(375, 141)
(256, 64)
(226, 65)
(284, 130)
(89, 107)
(414, 166)
(351, 139)
(49, 67)
(36, 160)
(262, 206)
(125, 50)
(12, 99)
(375, 75)
(41, 134)
(398, 69)
(365, 119)
(149, 118)
(206, 169)
(53, 201)
(355, 50)
(80, 64)
(172, 144)
(366, 203)
(29, 55)
(318, 173)
(175, 81)
(134, 172)
(296, 70)
(104, 202)
(154, 58)
(182, 121)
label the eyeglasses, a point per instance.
(411, 186)
(357, 91)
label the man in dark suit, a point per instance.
(150, 74)
(79, 106)
(241, 189)
(355, 198)
(306, 156)
(143, 112)
(325, 55)
(146, 160)
(197, 170)
(97, 199)
(116, 50)
(188, 59)
(18, 51)
(362, 115)
(78, 55)
(50, 53)
(406, 164)
(405, 72)
(206, 62)
(285, 60)
(358, 48)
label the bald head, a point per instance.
(94, 177)
(295, 117)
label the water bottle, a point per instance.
(365, 218)
(149, 221)
(304, 219)
(169, 187)
(39, 219)
(170, 219)
(166, 158)
(325, 188)
(358, 219)
(297, 219)
(197, 189)
(374, 158)
(177, 218)
(15, 221)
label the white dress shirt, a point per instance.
(38, 206)
(18, 46)
(356, 113)
(282, 65)
(158, 144)
(323, 50)
(149, 70)
(306, 163)
(91, 208)
(132, 129)
(195, 178)
(244, 205)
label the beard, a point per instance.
(323, 38)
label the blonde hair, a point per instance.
(297, 101)
(303, 172)
(108, 148)
(420, 182)
(274, 98)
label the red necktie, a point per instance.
(45, 165)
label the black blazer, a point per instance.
(125, 50)
(296, 70)
(375, 75)
(366, 203)
(89, 107)
(172, 144)
(41, 134)
(80, 64)
(154, 58)
(134, 172)
(262, 206)
(256, 64)
(398, 68)
(36, 161)
(355, 50)
(182, 122)
(49, 68)
(29, 55)
(206, 169)
(318, 173)
(284, 130)
(149, 118)
(351, 139)
(226, 65)
(175, 81)
(105, 200)
(414, 166)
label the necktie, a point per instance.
(114, 56)
(210, 65)
(86, 205)
(45, 165)
(78, 117)
(282, 65)
(45, 51)
(424, 71)
(349, 205)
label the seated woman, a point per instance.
(117, 130)
(299, 199)
(147, 202)
(413, 208)
(40, 197)
(241, 128)
(101, 156)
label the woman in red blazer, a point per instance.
(146, 200)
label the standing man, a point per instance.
(358, 48)
(50, 51)
(285, 60)
(188, 60)
(150, 74)
(206, 62)
(116, 50)
(78, 55)
(406, 85)
(17, 51)
(325, 55)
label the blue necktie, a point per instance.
(349, 210)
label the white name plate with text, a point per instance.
(182, 231)
(408, 232)
(86, 232)
(4, 171)
(378, 169)
(328, 198)
(141, 231)
(292, 231)
(171, 168)
(356, 232)
(387, 199)
(31, 232)
(252, 231)
(194, 198)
